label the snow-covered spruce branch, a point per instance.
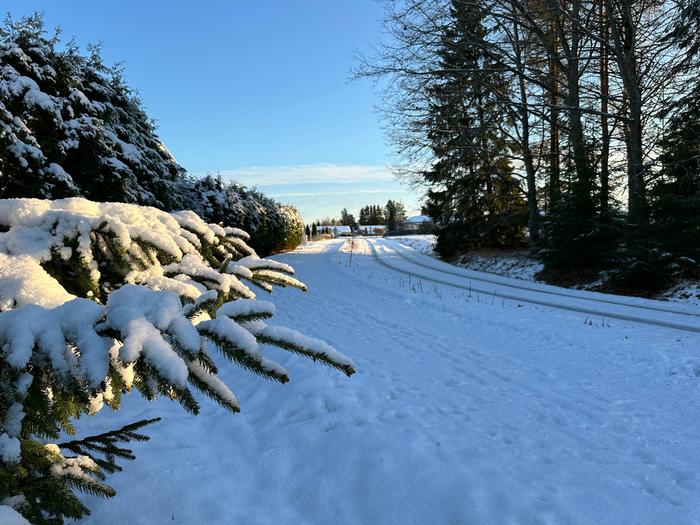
(99, 298)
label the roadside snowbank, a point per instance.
(517, 265)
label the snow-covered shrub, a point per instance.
(294, 227)
(273, 227)
(70, 126)
(97, 299)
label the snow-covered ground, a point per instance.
(422, 243)
(687, 293)
(464, 409)
(517, 265)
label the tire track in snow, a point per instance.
(401, 252)
(675, 325)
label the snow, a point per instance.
(464, 409)
(23, 281)
(9, 448)
(34, 329)
(228, 330)
(141, 315)
(8, 516)
(422, 243)
(315, 347)
(216, 384)
(517, 265)
(334, 229)
(253, 262)
(246, 308)
(418, 219)
(38, 229)
(194, 266)
(73, 467)
(45, 329)
(686, 293)
(237, 232)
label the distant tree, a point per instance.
(364, 215)
(347, 219)
(314, 230)
(395, 214)
(307, 231)
(377, 215)
(371, 215)
(328, 221)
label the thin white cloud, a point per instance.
(331, 193)
(307, 174)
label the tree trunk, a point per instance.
(533, 212)
(623, 31)
(604, 106)
(554, 154)
(638, 213)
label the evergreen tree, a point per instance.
(364, 215)
(395, 214)
(372, 215)
(375, 215)
(114, 297)
(674, 251)
(580, 239)
(473, 194)
(275, 227)
(314, 230)
(70, 126)
(347, 219)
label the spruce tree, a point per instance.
(71, 126)
(675, 199)
(473, 194)
(109, 298)
(394, 215)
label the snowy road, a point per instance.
(467, 408)
(602, 306)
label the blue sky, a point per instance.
(258, 90)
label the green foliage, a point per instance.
(675, 194)
(473, 195)
(394, 215)
(578, 236)
(73, 127)
(672, 251)
(347, 218)
(104, 449)
(47, 389)
(652, 269)
(372, 215)
(274, 227)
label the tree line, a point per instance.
(391, 216)
(569, 126)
